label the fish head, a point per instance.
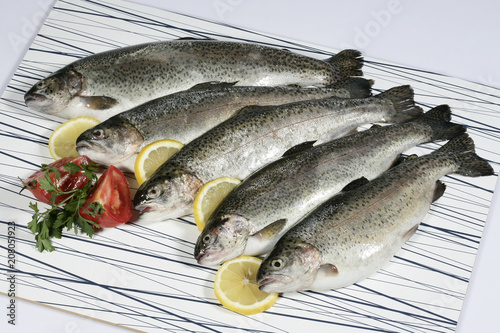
(53, 94)
(170, 194)
(110, 142)
(224, 237)
(290, 267)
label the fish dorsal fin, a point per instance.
(211, 85)
(98, 102)
(408, 158)
(439, 190)
(251, 109)
(355, 184)
(299, 148)
(400, 159)
(271, 231)
(194, 38)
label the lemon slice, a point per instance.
(62, 142)
(210, 196)
(236, 287)
(152, 156)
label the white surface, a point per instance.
(457, 40)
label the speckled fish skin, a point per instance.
(258, 135)
(186, 115)
(104, 84)
(251, 220)
(353, 234)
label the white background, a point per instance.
(448, 37)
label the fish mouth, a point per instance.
(212, 258)
(157, 211)
(82, 145)
(145, 210)
(33, 99)
(272, 283)
(201, 259)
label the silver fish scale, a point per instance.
(252, 139)
(306, 179)
(178, 65)
(195, 108)
(346, 228)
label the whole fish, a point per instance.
(266, 204)
(185, 115)
(353, 234)
(104, 84)
(258, 135)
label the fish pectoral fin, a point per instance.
(328, 270)
(439, 190)
(355, 184)
(407, 235)
(271, 231)
(325, 277)
(299, 148)
(264, 240)
(212, 85)
(251, 109)
(98, 102)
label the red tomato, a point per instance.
(66, 182)
(113, 193)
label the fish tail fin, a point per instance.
(469, 163)
(356, 86)
(348, 62)
(438, 121)
(404, 105)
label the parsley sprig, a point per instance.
(65, 214)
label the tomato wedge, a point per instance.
(67, 181)
(111, 197)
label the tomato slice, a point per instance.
(66, 182)
(112, 192)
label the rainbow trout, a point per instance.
(258, 135)
(353, 234)
(254, 216)
(185, 115)
(104, 84)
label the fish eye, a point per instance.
(154, 191)
(208, 239)
(277, 264)
(98, 134)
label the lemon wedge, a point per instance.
(152, 156)
(210, 196)
(236, 286)
(62, 142)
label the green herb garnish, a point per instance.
(65, 214)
